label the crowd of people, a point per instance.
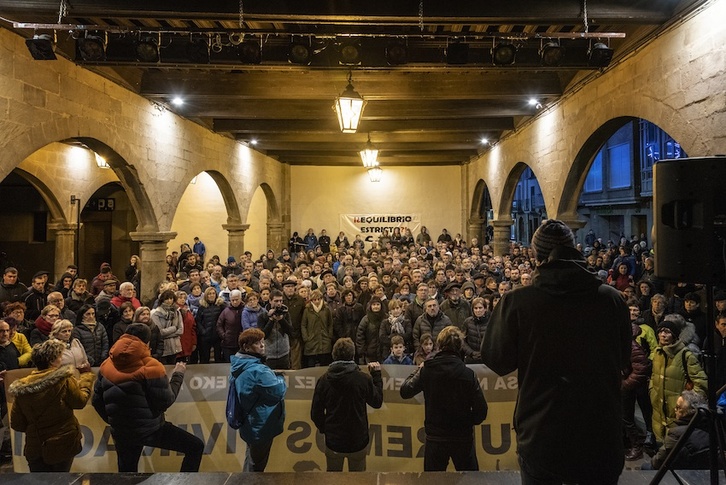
(390, 298)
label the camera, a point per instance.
(281, 310)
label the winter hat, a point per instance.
(550, 234)
(375, 299)
(720, 296)
(231, 260)
(692, 297)
(670, 325)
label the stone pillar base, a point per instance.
(236, 239)
(502, 231)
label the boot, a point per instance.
(633, 454)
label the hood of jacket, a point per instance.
(565, 273)
(40, 380)
(340, 369)
(240, 362)
(128, 353)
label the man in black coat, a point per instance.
(568, 335)
(454, 404)
(339, 407)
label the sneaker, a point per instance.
(634, 454)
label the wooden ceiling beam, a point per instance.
(395, 126)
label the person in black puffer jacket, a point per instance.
(474, 329)
(339, 407)
(211, 306)
(454, 404)
(131, 395)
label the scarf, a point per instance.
(43, 325)
(396, 324)
(317, 307)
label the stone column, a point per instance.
(65, 246)
(274, 237)
(153, 247)
(236, 239)
(502, 231)
(474, 229)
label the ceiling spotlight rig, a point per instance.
(115, 44)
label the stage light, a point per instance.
(396, 53)
(552, 54)
(250, 51)
(300, 51)
(41, 47)
(599, 55)
(457, 53)
(198, 51)
(503, 54)
(349, 52)
(147, 50)
(91, 48)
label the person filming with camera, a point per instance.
(277, 327)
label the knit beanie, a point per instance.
(672, 326)
(550, 234)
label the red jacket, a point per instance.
(189, 337)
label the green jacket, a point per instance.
(317, 330)
(669, 381)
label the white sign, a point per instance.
(371, 226)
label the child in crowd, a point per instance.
(398, 352)
(425, 350)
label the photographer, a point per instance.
(277, 327)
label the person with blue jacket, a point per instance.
(261, 394)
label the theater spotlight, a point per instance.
(599, 55)
(41, 47)
(552, 54)
(300, 51)
(349, 52)
(198, 51)
(147, 50)
(396, 53)
(457, 53)
(91, 48)
(503, 54)
(250, 51)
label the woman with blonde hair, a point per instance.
(43, 408)
(74, 353)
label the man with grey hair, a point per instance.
(125, 293)
(568, 335)
(694, 454)
(229, 324)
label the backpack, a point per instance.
(236, 415)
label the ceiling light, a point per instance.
(375, 173)
(552, 54)
(484, 141)
(599, 55)
(91, 48)
(457, 53)
(369, 155)
(503, 54)
(349, 52)
(250, 51)
(41, 47)
(101, 162)
(198, 51)
(147, 50)
(535, 102)
(300, 51)
(177, 101)
(396, 53)
(253, 142)
(349, 107)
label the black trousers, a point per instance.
(168, 437)
(438, 453)
(40, 466)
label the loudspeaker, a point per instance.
(689, 231)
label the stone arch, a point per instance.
(230, 200)
(581, 164)
(273, 208)
(54, 207)
(504, 209)
(130, 181)
(481, 191)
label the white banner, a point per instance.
(371, 226)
